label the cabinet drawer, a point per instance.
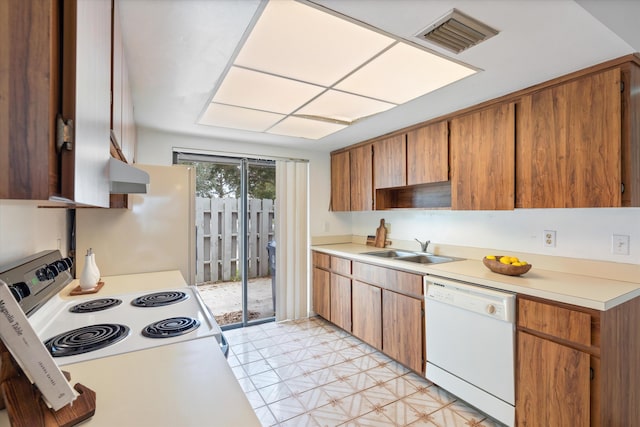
(341, 265)
(321, 260)
(395, 280)
(560, 322)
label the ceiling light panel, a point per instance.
(343, 106)
(260, 91)
(305, 128)
(301, 42)
(228, 116)
(403, 73)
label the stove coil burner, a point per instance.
(95, 305)
(159, 299)
(86, 339)
(172, 327)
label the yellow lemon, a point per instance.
(514, 259)
(516, 264)
(505, 260)
(490, 257)
(523, 262)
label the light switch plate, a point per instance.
(620, 244)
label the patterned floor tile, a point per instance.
(311, 373)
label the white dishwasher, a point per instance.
(470, 340)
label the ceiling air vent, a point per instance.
(456, 32)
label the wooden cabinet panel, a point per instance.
(341, 301)
(395, 280)
(367, 313)
(29, 99)
(340, 182)
(320, 260)
(428, 154)
(552, 384)
(390, 162)
(562, 323)
(482, 146)
(321, 293)
(402, 328)
(569, 144)
(361, 173)
(341, 265)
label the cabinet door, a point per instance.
(552, 384)
(321, 293)
(340, 182)
(86, 98)
(390, 162)
(367, 313)
(402, 326)
(569, 144)
(341, 301)
(361, 173)
(29, 98)
(482, 148)
(428, 154)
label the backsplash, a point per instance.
(580, 233)
(26, 229)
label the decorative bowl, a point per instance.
(508, 269)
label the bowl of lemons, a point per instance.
(505, 264)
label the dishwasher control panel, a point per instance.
(489, 302)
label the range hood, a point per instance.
(126, 179)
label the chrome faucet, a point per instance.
(423, 245)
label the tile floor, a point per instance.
(311, 373)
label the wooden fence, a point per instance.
(217, 245)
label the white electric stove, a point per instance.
(92, 326)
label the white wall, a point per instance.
(581, 233)
(26, 229)
(156, 147)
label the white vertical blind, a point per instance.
(292, 240)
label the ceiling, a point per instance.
(178, 49)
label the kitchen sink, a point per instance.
(389, 254)
(426, 259)
(419, 258)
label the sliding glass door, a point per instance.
(235, 229)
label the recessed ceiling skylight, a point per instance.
(286, 74)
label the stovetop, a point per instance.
(56, 317)
(144, 319)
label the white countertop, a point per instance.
(580, 290)
(185, 384)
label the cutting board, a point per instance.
(381, 235)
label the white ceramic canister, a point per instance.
(88, 278)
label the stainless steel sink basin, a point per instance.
(426, 259)
(419, 258)
(389, 254)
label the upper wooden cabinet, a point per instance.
(361, 173)
(390, 162)
(569, 144)
(428, 154)
(482, 148)
(340, 182)
(37, 40)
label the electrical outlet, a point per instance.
(549, 238)
(620, 244)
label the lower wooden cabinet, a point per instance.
(366, 310)
(341, 301)
(321, 293)
(402, 329)
(553, 384)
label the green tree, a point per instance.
(220, 180)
